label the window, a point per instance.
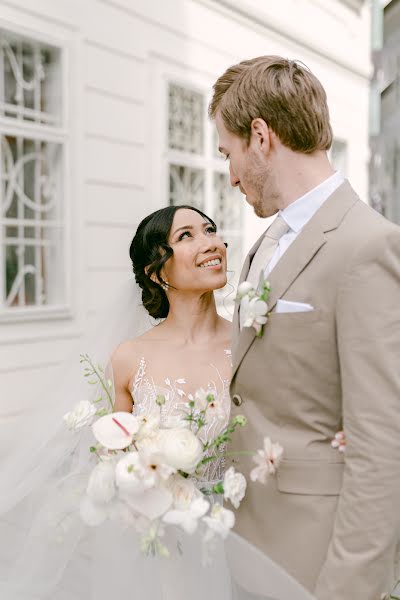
(32, 151)
(199, 176)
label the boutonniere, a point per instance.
(253, 304)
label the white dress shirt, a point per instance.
(299, 212)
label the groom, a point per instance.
(329, 357)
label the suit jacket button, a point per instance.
(237, 400)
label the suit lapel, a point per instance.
(296, 258)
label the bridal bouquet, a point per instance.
(149, 476)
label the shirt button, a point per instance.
(237, 400)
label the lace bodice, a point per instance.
(144, 393)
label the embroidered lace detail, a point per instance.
(140, 373)
(144, 394)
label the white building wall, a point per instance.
(120, 53)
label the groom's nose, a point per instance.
(235, 181)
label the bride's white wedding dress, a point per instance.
(48, 553)
(177, 391)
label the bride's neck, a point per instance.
(192, 319)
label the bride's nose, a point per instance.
(208, 244)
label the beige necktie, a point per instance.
(266, 249)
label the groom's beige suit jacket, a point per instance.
(331, 519)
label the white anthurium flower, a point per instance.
(181, 449)
(189, 517)
(220, 522)
(116, 431)
(234, 486)
(244, 289)
(254, 312)
(267, 461)
(81, 415)
(183, 492)
(101, 485)
(91, 513)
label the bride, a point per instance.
(46, 550)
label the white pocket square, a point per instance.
(285, 306)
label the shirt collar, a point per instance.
(299, 212)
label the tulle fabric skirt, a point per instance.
(48, 553)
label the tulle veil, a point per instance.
(47, 552)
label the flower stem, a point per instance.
(86, 358)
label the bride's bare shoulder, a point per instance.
(131, 351)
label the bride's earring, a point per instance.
(164, 285)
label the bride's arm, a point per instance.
(122, 361)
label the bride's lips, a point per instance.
(215, 267)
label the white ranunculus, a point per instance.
(116, 430)
(80, 416)
(101, 484)
(234, 486)
(181, 449)
(220, 522)
(244, 288)
(91, 513)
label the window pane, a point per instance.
(29, 80)
(32, 226)
(186, 186)
(227, 202)
(186, 120)
(227, 215)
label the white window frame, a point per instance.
(164, 73)
(62, 134)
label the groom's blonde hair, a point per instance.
(284, 93)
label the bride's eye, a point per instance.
(183, 234)
(211, 229)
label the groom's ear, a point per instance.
(261, 135)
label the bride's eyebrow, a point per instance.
(190, 227)
(185, 227)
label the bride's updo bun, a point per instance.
(149, 251)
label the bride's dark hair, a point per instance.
(149, 251)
